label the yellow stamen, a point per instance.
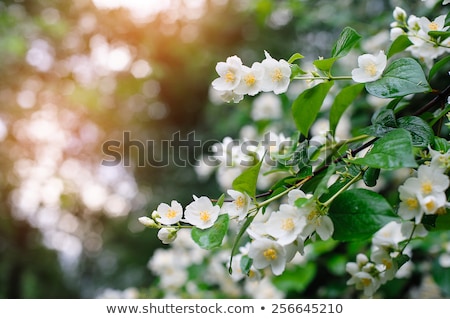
(205, 215)
(313, 214)
(250, 79)
(433, 26)
(270, 254)
(412, 203)
(171, 214)
(366, 281)
(387, 263)
(277, 76)
(427, 187)
(371, 69)
(288, 224)
(229, 77)
(430, 205)
(239, 202)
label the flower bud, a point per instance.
(167, 235)
(399, 14)
(147, 222)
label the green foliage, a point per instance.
(341, 102)
(358, 213)
(212, 237)
(404, 76)
(346, 41)
(246, 182)
(307, 105)
(394, 150)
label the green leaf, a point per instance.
(399, 45)
(392, 151)
(383, 121)
(358, 213)
(322, 187)
(422, 134)
(341, 102)
(296, 70)
(439, 34)
(295, 57)
(246, 264)
(439, 65)
(401, 260)
(295, 279)
(324, 64)
(246, 182)
(220, 200)
(441, 144)
(212, 237)
(370, 176)
(346, 41)
(307, 105)
(403, 77)
(442, 222)
(237, 240)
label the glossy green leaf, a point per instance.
(212, 237)
(370, 176)
(392, 151)
(421, 133)
(399, 45)
(307, 105)
(295, 57)
(324, 64)
(246, 182)
(358, 213)
(439, 66)
(341, 102)
(346, 41)
(237, 239)
(245, 264)
(403, 77)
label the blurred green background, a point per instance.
(75, 74)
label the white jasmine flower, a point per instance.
(362, 278)
(266, 106)
(440, 161)
(428, 181)
(437, 24)
(382, 257)
(169, 215)
(230, 73)
(167, 235)
(431, 203)
(286, 224)
(230, 96)
(445, 2)
(202, 213)
(240, 205)
(409, 206)
(266, 252)
(276, 75)
(250, 79)
(389, 236)
(371, 67)
(319, 223)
